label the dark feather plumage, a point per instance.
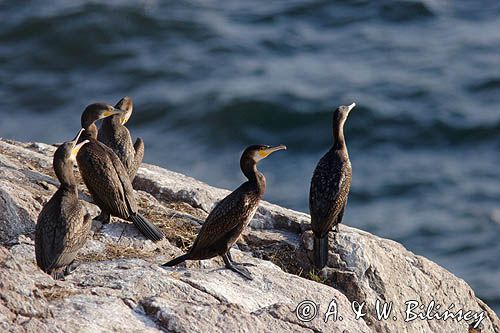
(227, 221)
(329, 190)
(109, 183)
(63, 225)
(62, 229)
(117, 137)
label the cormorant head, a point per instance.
(69, 149)
(64, 159)
(259, 152)
(341, 113)
(97, 111)
(126, 105)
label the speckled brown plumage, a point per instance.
(116, 136)
(107, 179)
(63, 225)
(330, 186)
(227, 221)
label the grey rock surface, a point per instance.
(120, 287)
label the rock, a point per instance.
(120, 286)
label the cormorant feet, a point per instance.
(238, 268)
(58, 275)
(230, 257)
(105, 218)
(71, 268)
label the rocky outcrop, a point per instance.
(119, 285)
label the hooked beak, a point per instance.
(270, 150)
(126, 116)
(350, 107)
(75, 140)
(125, 104)
(111, 111)
(77, 147)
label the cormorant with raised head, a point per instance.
(330, 186)
(106, 177)
(116, 136)
(63, 224)
(228, 219)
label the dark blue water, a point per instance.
(210, 77)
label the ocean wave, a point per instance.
(365, 126)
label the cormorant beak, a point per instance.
(75, 140)
(266, 152)
(126, 116)
(77, 147)
(350, 107)
(125, 104)
(111, 111)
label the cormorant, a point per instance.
(116, 136)
(106, 177)
(63, 224)
(330, 185)
(228, 219)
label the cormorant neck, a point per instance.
(338, 135)
(113, 121)
(89, 133)
(64, 172)
(255, 177)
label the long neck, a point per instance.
(338, 134)
(255, 177)
(64, 172)
(89, 133)
(112, 122)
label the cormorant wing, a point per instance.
(138, 157)
(328, 194)
(62, 230)
(222, 220)
(76, 237)
(102, 179)
(124, 180)
(49, 234)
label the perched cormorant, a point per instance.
(116, 136)
(228, 219)
(106, 177)
(330, 185)
(63, 225)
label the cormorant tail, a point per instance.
(320, 251)
(149, 230)
(177, 260)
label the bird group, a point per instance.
(108, 162)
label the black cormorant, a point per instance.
(63, 224)
(330, 185)
(116, 136)
(106, 177)
(228, 219)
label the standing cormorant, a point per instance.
(116, 136)
(330, 185)
(228, 219)
(63, 224)
(106, 177)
